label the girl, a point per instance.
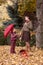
(13, 41)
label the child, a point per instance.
(13, 41)
(26, 32)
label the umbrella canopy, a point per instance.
(8, 29)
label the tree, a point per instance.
(26, 5)
(2, 1)
(39, 33)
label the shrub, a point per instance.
(3, 41)
(33, 40)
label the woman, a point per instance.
(26, 32)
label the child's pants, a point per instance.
(13, 43)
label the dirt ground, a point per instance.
(35, 58)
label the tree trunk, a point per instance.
(39, 31)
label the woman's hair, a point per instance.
(27, 14)
(30, 15)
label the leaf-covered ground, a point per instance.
(35, 58)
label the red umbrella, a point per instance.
(8, 29)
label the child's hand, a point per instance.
(18, 35)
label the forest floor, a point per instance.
(35, 56)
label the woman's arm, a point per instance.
(30, 26)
